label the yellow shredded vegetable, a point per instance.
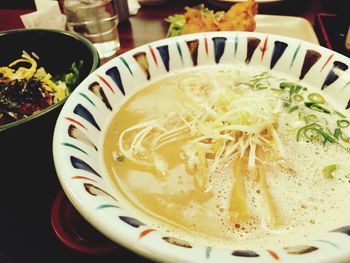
(26, 88)
(34, 71)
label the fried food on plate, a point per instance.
(240, 17)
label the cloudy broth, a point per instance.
(231, 171)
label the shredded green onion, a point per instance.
(311, 118)
(326, 137)
(294, 108)
(314, 106)
(329, 170)
(344, 138)
(337, 133)
(316, 98)
(339, 114)
(302, 116)
(313, 132)
(343, 123)
(293, 88)
(310, 132)
(298, 97)
(277, 90)
(290, 85)
(260, 86)
(286, 104)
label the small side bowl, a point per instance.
(57, 50)
(26, 144)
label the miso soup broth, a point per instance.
(229, 157)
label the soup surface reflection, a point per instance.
(223, 156)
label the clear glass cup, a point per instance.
(96, 20)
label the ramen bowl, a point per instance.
(82, 125)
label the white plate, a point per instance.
(290, 26)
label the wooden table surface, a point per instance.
(41, 245)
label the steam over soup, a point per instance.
(225, 156)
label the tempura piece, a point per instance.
(240, 17)
(198, 20)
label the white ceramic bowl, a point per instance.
(81, 169)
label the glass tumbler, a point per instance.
(96, 20)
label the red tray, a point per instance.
(73, 230)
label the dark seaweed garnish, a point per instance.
(20, 98)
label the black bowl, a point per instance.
(25, 145)
(57, 50)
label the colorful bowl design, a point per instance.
(79, 135)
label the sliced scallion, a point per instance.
(302, 116)
(246, 84)
(343, 123)
(284, 85)
(339, 114)
(298, 88)
(298, 97)
(314, 132)
(316, 98)
(310, 132)
(311, 118)
(288, 85)
(294, 108)
(314, 106)
(337, 133)
(292, 90)
(344, 138)
(329, 131)
(260, 86)
(326, 137)
(286, 104)
(276, 90)
(329, 170)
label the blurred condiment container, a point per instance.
(122, 10)
(97, 21)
